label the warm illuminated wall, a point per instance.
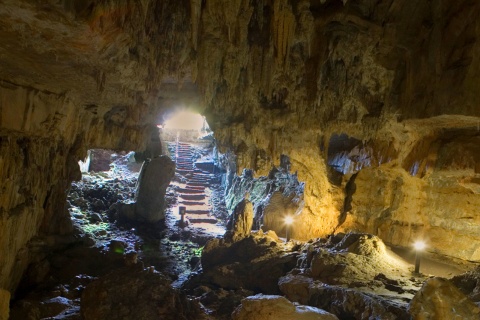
(283, 77)
(275, 77)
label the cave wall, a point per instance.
(275, 78)
(76, 75)
(42, 138)
(283, 77)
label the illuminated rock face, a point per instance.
(397, 81)
(376, 106)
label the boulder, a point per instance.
(439, 299)
(343, 302)
(254, 263)
(271, 307)
(469, 283)
(296, 287)
(357, 258)
(132, 293)
(153, 181)
(4, 304)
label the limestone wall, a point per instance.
(275, 78)
(42, 137)
(283, 77)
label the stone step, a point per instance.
(192, 196)
(192, 203)
(199, 212)
(194, 219)
(198, 183)
(185, 168)
(190, 191)
(195, 187)
(184, 171)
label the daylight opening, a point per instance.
(185, 120)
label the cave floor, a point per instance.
(101, 244)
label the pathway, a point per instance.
(192, 184)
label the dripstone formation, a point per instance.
(375, 104)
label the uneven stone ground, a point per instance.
(101, 242)
(352, 275)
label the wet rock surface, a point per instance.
(270, 307)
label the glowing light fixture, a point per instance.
(185, 120)
(288, 222)
(419, 247)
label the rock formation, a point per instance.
(268, 307)
(440, 299)
(142, 294)
(153, 181)
(241, 220)
(375, 103)
(254, 262)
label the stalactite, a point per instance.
(195, 13)
(283, 30)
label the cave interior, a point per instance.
(331, 136)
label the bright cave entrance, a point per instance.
(107, 205)
(199, 209)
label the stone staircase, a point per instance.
(192, 194)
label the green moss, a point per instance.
(92, 228)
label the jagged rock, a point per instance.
(439, 299)
(353, 260)
(4, 304)
(152, 184)
(95, 217)
(296, 287)
(270, 307)
(401, 74)
(469, 284)
(356, 258)
(254, 262)
(241, 220)
(351, 304)
(343, 302)
(130, 293)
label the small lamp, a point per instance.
(288, 222)
(419, 247)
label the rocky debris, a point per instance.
(353, 304)
(439, 299)
(469, 284)
(254, 263)
(152, 184)
(357, 258)
(273, 196)
(352, 276)
(343, 302)
(219, 302)
(52, 302)
(271, 307)
(132, 293)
